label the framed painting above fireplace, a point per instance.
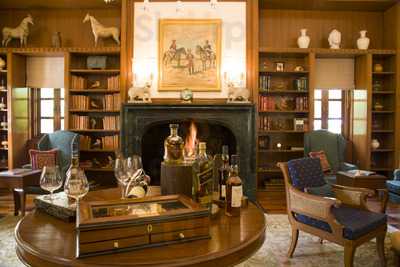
(189, 54)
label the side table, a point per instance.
(17, 180)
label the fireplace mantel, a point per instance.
(238, 118)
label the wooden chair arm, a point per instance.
(353, 196)
(316, 207)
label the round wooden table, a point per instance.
(43, 240)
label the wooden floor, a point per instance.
(274, 203)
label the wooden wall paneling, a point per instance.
(9, 108)
(362, 140)
(69, 22)
(311, 88)
(281, 28)
(67, 87)
(126, 47)
(18, 104)
(391, 36)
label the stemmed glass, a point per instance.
(50, 180)
(120, 171)
(76, 185)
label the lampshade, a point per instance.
(45, 72)
(335, 73)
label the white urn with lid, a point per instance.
(363, 41)
(304, 40)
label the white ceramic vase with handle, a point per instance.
(304, 40)
(363, 41)
(375, 144)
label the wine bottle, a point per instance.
(202, 186)
(234, 189)
(223, 173)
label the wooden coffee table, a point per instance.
(43, 240)
(374, 181)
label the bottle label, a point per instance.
(237, 193)
(223, 190)
(137, 191)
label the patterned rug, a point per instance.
(308, 253)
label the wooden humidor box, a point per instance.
(105, 227)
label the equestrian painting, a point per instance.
(20, 32)
(99, 31)
(189, 54)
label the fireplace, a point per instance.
(144, 128)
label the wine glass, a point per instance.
(133, 164)
(120, 171)
(50, 180)
(76, 185)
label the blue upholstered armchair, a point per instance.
(67, 144)
(393, 187)
(334, 146)
(346, 220)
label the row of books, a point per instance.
(79, 102)
(111, 122)
(108, 102)
(81, 83)
(268, 123)
(113, 82)
(78, 82)
(112, 102)
(105, 142)
(265, 82)
(79, 122)
(283, 103)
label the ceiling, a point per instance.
(33, 4)
(351, 5)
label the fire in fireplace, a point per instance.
(192, 132)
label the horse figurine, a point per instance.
(101, 31)
(21, 32)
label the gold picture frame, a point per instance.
(189, 53)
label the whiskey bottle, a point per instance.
(223, 173)
(202, 186)
(173, 146)
(234, 189)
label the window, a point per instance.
(49, 109)
(328, 110)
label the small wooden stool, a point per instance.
(395, 237)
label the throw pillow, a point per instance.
(323, 159)
(39, 159)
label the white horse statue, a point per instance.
(21, 32)
(101, 31)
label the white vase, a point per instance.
(375, 144)
(303, 41)
(335, 39)
(363, 41)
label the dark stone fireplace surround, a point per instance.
(238, 118)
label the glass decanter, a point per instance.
(174, 146)
(76, 184)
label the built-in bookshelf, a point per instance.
(4, 114)
(283, 113)
(94, 104)
(383, 113)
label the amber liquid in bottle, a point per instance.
(223, 173)
(173, 146)
(234, 189)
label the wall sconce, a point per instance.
(179, 6)
(237, 92)
(213, 3)
(140, 93)
(146, 4)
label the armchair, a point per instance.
(345, 221)
(334, 146)
(393, 187)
